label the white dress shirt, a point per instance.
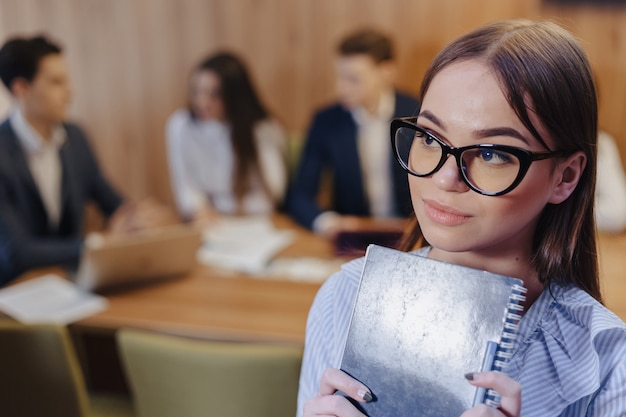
(44, 163)
(373, 144)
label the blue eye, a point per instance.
(493, 156)
(426, 139)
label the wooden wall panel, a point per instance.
(130, 59)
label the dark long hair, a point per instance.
(243, 110)
(542, 64)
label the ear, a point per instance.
(566, 176)
(19, 87)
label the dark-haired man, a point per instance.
(350, 139)
(47, 169)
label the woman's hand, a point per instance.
(325, 403)
(510, 392)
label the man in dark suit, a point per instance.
(350, 141)
(47, 169)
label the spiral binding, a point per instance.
(507, 339)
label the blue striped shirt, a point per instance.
(570, 353)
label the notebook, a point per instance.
(140, 258)
(418, 325)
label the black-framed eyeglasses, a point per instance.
(488, 169)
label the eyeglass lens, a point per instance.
(486, 169)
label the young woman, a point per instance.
(520, 204)
(226, 153)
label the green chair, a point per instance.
(173, 376)
(40, 376)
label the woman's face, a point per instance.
(464, 105)
(206, 96)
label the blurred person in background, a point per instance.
(48, 171)
(227, 154)
(350, 140)
(610, 207)
(5, 103)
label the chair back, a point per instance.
(174, 376)
(39, 372)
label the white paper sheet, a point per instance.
(303, 269)
(244, 244)
(49, 299)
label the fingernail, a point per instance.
(469, 376)
(365, 395)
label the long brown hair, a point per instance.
(243, 110)
(542, 64)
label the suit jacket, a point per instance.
(332, 145)
(25, 239)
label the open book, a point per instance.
(419, 325)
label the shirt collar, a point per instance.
(30, 139)
(384, 112)
(549, 297)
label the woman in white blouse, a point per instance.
(610, 210)
(226, 153)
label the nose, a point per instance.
(448, 178)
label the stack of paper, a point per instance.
(304, 269)
(49, 299)
(245, 244)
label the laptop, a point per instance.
(139, 258)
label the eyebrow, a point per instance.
(481, 133)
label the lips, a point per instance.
(443, 214)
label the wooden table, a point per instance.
(215, 304)
(208, 303)
(205, 304)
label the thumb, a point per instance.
(510, 391)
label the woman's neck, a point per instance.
(516, 265)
